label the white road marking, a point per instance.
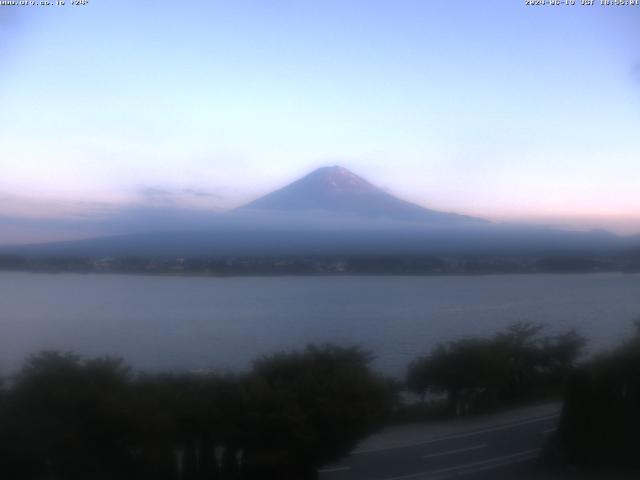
(549, 430)
(334, 469)
(470, 468)
(458, 435)
(457, 450)
(523, 457)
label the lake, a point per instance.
(195, 323)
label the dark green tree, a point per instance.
(601, 415)
(312, 407)
(480, 373)
(68, 418)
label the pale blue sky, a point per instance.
(490, 108)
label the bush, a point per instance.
(481, 373)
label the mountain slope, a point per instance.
(338, 191)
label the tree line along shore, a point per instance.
(390, 264)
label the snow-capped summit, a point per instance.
(336, 178)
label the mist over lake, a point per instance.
(193, 323)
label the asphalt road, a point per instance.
(499, 447)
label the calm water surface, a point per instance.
(200, 323)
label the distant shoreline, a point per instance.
(308, 275)
(328, 265)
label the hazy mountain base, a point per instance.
(259, 235)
